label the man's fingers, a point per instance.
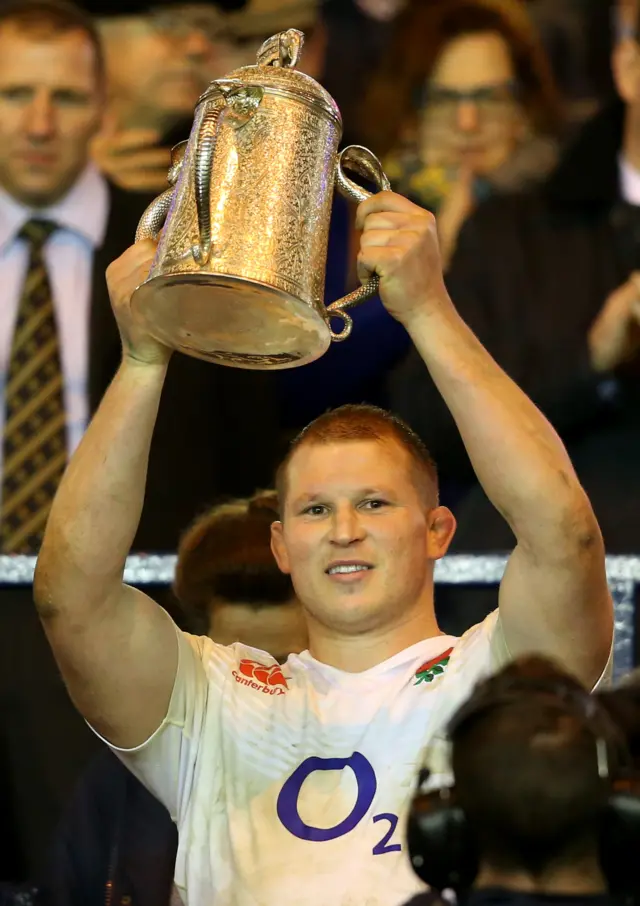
(140, 251)
(154, 158)
(387, 202)
(153, 182)
(378, 260)
(388, 237)
(137, 256)
(133, 140)
(391, 220)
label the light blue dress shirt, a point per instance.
(82, 217)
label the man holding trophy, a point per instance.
(292, 783)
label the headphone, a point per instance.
(441, 843)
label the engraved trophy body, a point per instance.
(238, 277)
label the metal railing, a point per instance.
(623, 573)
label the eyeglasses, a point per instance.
(491, 101)
(182, 20)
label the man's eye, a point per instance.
(17, 93)
(375, 504)
(71, 98)
(317, 509)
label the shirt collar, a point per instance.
(83, 210)
(629, 182)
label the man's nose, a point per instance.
(40, 117)
(468, 118)
(346, 526)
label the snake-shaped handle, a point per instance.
(155, 215)
(234, 105)
(367, 165)
(205, 145)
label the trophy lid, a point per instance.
(275, 71)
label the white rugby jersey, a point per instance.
(291, 785)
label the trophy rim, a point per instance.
(314, 327)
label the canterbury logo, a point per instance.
(269, 680)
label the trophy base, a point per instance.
(231, 321)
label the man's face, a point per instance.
(626, 52)
(357, 536)
(160, 63)
(471, 117)
(50, 109)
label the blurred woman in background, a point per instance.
(464, 105)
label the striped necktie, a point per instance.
(35, 443)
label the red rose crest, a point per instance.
(270, 676)
(427, 672)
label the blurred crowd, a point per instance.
(518, 125)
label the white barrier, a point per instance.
(457, 569)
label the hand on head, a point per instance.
(124, 276)
(399, 243)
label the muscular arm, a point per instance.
(554, 596)
(115, 647)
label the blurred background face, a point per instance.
(626, 55)
(356, 537)
(471, 116)
(160, 63)
(50, 109)
(242, 51)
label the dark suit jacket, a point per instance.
(217, 430)
(115, 843)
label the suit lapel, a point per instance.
(104, 341)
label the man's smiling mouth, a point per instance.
(345, 568)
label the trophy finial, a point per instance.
(282, 50)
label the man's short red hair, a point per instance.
(361, 423)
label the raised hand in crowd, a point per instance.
(456, 207)
(133, 159)
(614, 337)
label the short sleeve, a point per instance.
(476, 655)
(607, 674)
(166, 762)
(479, 653)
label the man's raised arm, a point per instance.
(116, 648)
(554, 596)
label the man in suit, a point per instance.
(61, 223)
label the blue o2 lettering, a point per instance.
(288, 798)
(383, 846)
(287, 805)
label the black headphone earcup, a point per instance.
(620, 843)
(441, 845)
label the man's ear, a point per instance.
(625, 63)
(278, 548)
(442, 527)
